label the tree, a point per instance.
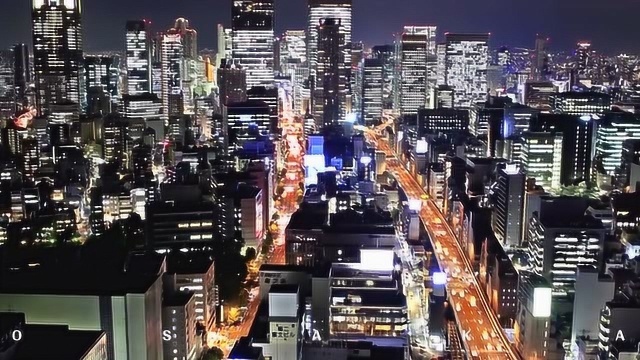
(213, 354)
(250, 254)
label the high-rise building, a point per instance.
(577, 143)
(538, 95)
(583, 59)
(417, 59)
(533, 316)
(172, 59)
(189, 38)
(7, 85)
(232, 83)
(581, 103)
(138, 57)
(508, 199)
(252, 40)
(386, 54)
(561, 238)
(443, 120)
(441, 66)
(293, 49)
(22, 72)
(542, 158)
(57, 52)
(372, 91)
(467, 59)
(332, 78)
(613, 130)
(540, 62)
(328, 9)
(246, 121)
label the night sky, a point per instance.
(611, 25)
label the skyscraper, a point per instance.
(138, 60)
(331, 79)
(583, 59)
(325, 9)
(172, 52)
(386, 54)
(21, 72)
(467, 59)
(293, 49)
(508, 199)
(372, 91)
(57, 52)
(189, 38)
(417, 56)
(7, 85)
(253, 40)
(542, 158)
(540, 61)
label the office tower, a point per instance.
(116, 143)
(189, 38)
(293, 49)
(372, 91)
(232, 83)
(7, 85)
(441, 64)
(330, 94)
(561, 238)
(517, 119)
(508, 200)
(538, 95)
(540, 61)
(386, 54)
(613, 130)
(328, 9)
(629, 161)
(533, 319)
(577, 143)
(354, 103)
(57, 52)
(583, 59)
(446, 121)
(417, 58)
(246, 121)
(22, 72)
(542, 158)
(581, 103)
(253, 40)
(441, 97)
(270, 97)
(97, 73)
(138, 57)
(172, 59)
(467, 59)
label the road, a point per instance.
(293, 143)
(482, 335)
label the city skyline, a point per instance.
(589, 20)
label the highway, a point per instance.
(482, 335)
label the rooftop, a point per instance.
(55, 342)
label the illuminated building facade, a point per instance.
(508, 199)
(386, 54)
(533, 321)
(293, 49)
(138, 57)
(540, 63)
(417, 58)
(372, 91)
(252, 40)
(332, 74)
(433, 121)
(232, 83)
(581, 103)
(467, 59)
(57, 52)
(328, 9)
(246, 121)
(542, 158)
(189, 38)
(613, 129)
(172, 52)
(7, 85)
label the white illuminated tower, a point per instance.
(418, 67)
(328, 9)
(172, 55)
(57, 52)
(467, 59)
(253, 40)
(330, 93)
(138, 60)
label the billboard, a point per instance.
(376, 259)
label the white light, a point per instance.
(439, 278)
(376, 259)
(585, 117)
(351, 118)
(542, 302)
(421, 147)
(415, 204)
(365, 160)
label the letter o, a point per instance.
(16, 335)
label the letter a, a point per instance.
(620, 335)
